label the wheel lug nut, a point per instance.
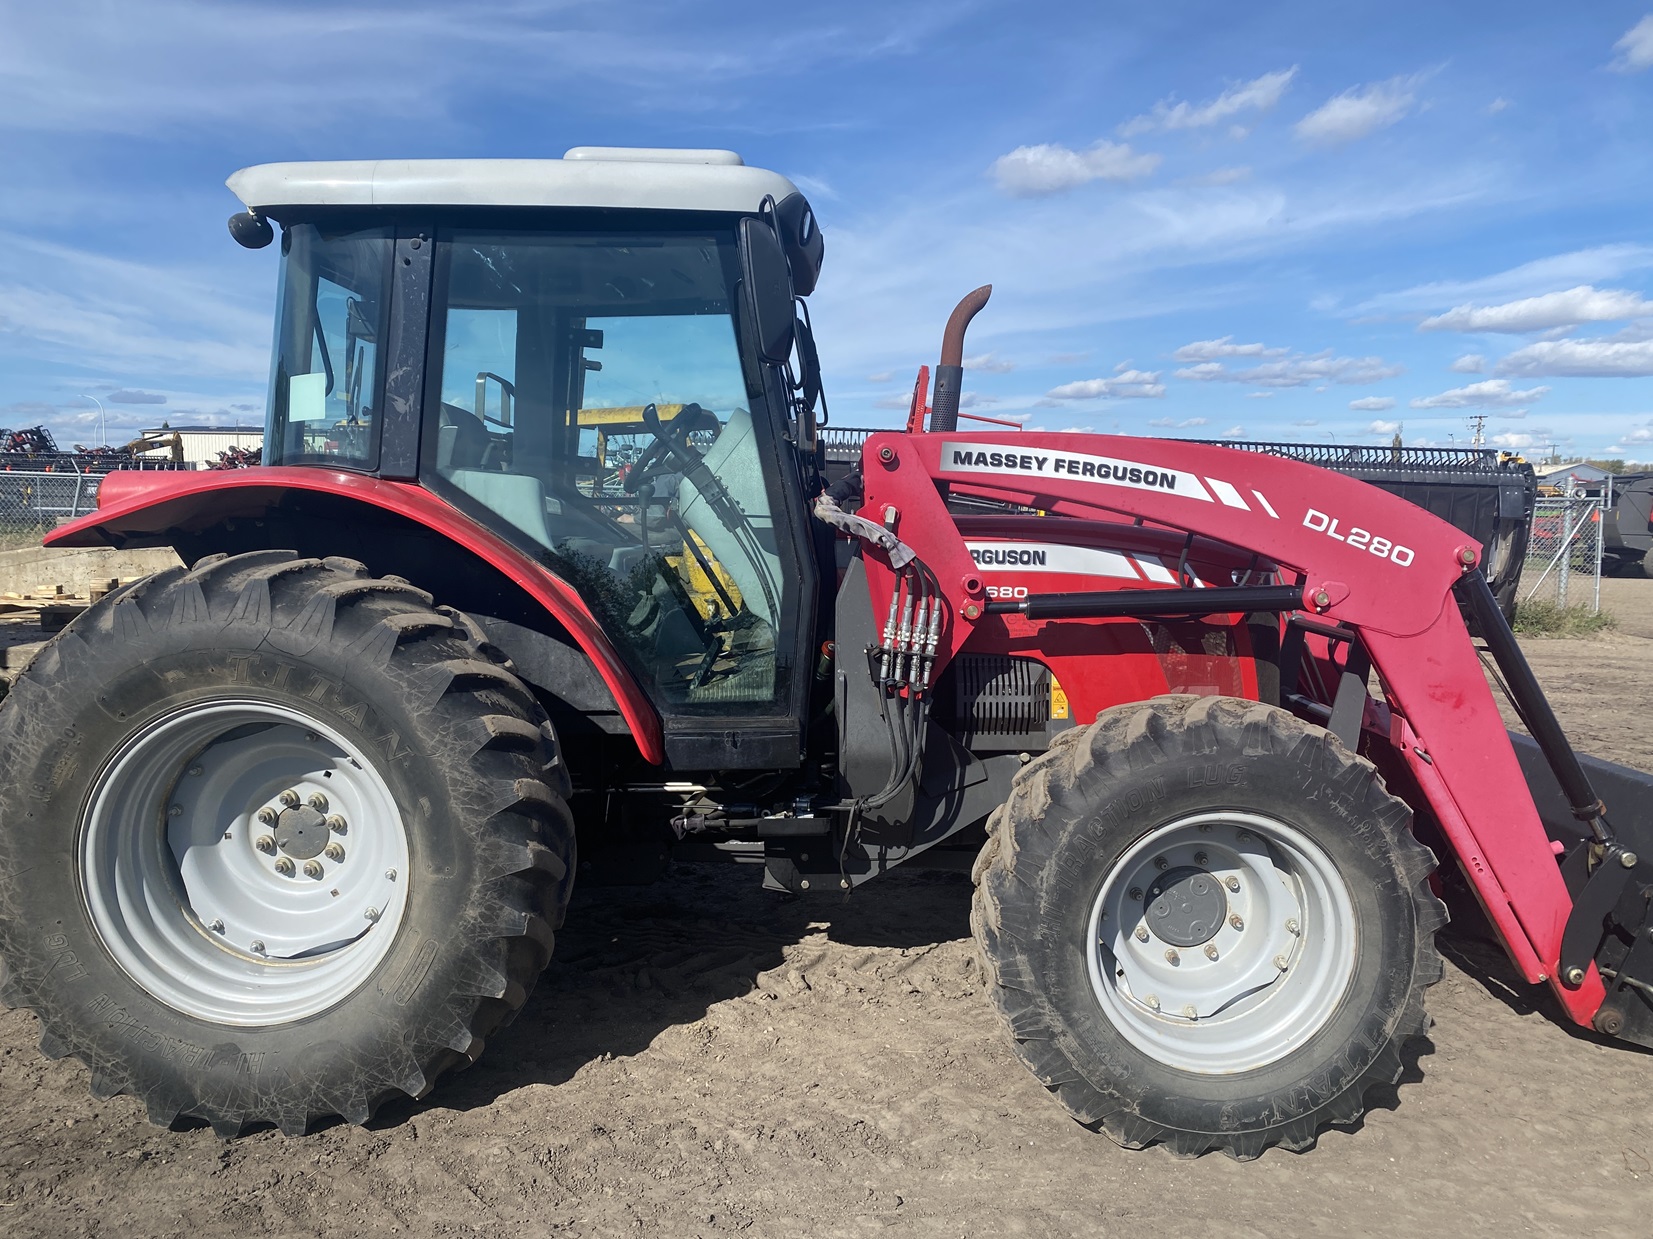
(1291, 928)
(1236, 921)
(1161, 863)
(1211, 950)
(264, 844)
(1205, 828)
(312, 869)
(1172, 958)
(1151, 1001)
(176, 810)
(318, 802)
(1142, 933)
(1233, 884)
(338, 825)
(333, 852)
(1199, 858)
(1136, 892)
(267, 816)
(371, 914)
(1190, 1013)
(1281, 962)
(289, 798)
(196, 772)
(390, 874)
(284, 867)
(217, 927)
(1245, 836)
(257, 946)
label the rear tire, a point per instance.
(1207, 925)
(286, 841)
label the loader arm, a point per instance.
(1364, 559)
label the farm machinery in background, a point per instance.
(292, 829)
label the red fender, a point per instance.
(140, 502)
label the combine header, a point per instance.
(541, 548)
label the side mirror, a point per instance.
(769, 285)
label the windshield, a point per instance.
(593, 402)
(325, 379)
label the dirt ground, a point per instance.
(705, 1059)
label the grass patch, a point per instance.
(12, 537)
(1542, 618)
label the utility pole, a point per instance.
(1478, 427)
(103, 433)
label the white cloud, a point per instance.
(1309, 422)
(1584, 304)
(1582, 359)
(1512, 442)
(1259, 395)
(883, 376)
(1294, 370)
(1211, 350)
(1635, 47)
(1127, 385)
(1233, 432)
(1190, 422)
(988, 363)
(1497, 106)
(1641, 434)
(1259, 94)
(1222, 176)
(1034, 171)
(1488, 394)
(1604, 262)
(1162, 421)
(1358, 112)
(1383, 428)
(1469, 363)
(1372, 404)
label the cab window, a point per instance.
(326, 379)
(594, 408)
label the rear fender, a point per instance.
(197, 512)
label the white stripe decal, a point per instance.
(1228, 494)
(1267, 506)
(993, 555)
(1044, 462)
(1154, 569)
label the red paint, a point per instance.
(1387, 566)
(132, 502)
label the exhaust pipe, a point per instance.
(944, 410)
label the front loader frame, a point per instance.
(1374, 573)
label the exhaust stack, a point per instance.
(944, 411)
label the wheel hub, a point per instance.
(1186, 907)
(277, 877)
(301, 832)
(1220, 939)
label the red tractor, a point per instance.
(540, 549)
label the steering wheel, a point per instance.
(671, 451)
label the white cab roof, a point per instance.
(587, 176)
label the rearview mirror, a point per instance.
(769, 284)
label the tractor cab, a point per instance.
(603, 365)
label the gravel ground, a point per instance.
(705, 1059)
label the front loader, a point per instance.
(540, 578)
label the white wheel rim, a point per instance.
(1272, 970)
(195, 897)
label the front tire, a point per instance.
(285, 841)
(1207, 925)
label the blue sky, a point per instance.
(1295, 221)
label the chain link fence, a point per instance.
(1563, 567)
(33, 502)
